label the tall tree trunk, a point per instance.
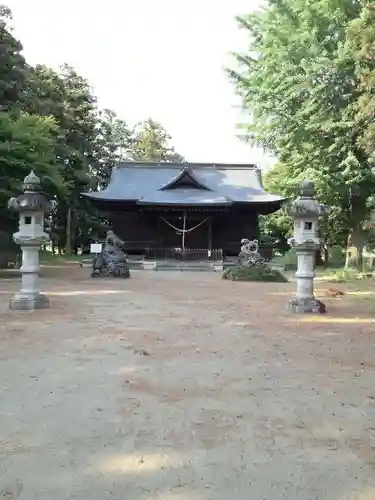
(68, 244)
(355, 240)
(318, 258)
(347, 252)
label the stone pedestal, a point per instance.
(29, 297)
(306, 211)
(28, 302)
(305, 301)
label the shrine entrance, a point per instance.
(185, 236)
(187, 231)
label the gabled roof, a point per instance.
(185, 184)
(185, 178)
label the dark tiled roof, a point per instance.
(165, 184)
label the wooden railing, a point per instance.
(189, 254)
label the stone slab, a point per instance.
(149, 266)
(28, 303)
(218, 267)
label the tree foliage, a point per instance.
(152, 143)
(307, 82)
(50, 121)
(26, 141)
(114, 144)
(12, 64)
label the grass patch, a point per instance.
(288, 261)
(259, 273)
(47, 258)
(347, 276)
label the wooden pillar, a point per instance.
(183, 232)
(160, 232)
(210, 237)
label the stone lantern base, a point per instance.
(306, 306)
(30, 302)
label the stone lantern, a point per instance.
(31, 206)
(305, 212)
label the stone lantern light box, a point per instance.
(31, 225)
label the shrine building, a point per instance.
(174, 207)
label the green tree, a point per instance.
(85, 143)
(333, 226)
(68, 98)
(113, 145)
(44, 94)
(301, 83)
(12, 64)
(151, 142)
(361, 43)
(78, 148)
(26, 142)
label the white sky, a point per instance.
(162, 59)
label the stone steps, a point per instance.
(162, 265)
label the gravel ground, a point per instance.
(181, 386)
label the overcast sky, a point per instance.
(150, 58)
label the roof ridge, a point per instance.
(220, 166)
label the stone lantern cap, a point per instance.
(306, 205)
(32, 199)
(31, 183)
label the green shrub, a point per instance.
(289, 260)
(368, 264)
(342, 276)
(247, 273)
(347, 275)
(8, 250)
(336, 256)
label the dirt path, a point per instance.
(180, 386)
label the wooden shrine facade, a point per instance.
(184, 206)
